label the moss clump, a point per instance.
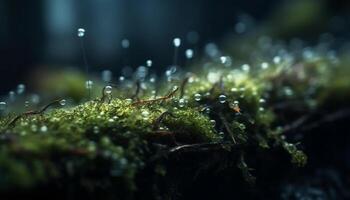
(111, 143)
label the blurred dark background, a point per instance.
(44, 33)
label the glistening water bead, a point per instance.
(149, 63)
(88, 84)
(197, 97)
(189, 53)
(2, 105)
(108, 89)
(177, 42)
(222, 98)
(63, 102)
(81, 32)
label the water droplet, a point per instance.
(277, 59)
(145, 114)
(177, 42)
(3, 105)
(62, 102)
(121, 78)
(88, 84)
(246, 67)
(262, 100)
(111, 120)
(197, 97)
(35, 99)
(107, 75)
(223, 59)
(34, 128)
(213, 123)
(12, 96)
(96, 129)
(261, 109)
(207, 110)
(221, 134)
(152, 80)
(264, 65)
(182, 102)
(222, 98)
(125, 43)
(149, 63)
(288, 91)
(234, 89)
(108, 90)
(189, 53)
(81, 32)
(26, 104)
(21, 88)
(141, 72)
(43, 128)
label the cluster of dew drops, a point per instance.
(282, 55)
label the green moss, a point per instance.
(120, 138)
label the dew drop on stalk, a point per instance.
(108, 90)
(21, 89)
(88, 84)
(12, 96)
(149, 63)
(2, 105)
(121, 78)
(107, 75)
(177, 42)
(189, 53)
(197, 97)
(223, 59)
(81, 32)
(26, 104)
(222, 98)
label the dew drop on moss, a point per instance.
(43, 129)
(182, 102)
(108, 90)
(213, 123)
(197, 97)
(222, 98)
(63, 102)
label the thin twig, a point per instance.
(150, 101)
(32, 112)
(159, 120)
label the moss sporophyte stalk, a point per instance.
(111, 140)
